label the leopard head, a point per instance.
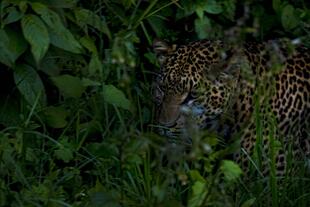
(195, 83)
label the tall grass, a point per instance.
(77, 129)
(259, 189)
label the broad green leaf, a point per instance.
(159, 192)
(95, 66)
(189, 8)
(12, 45)
(4, 4)
(59, 35)
(31, 155)
(229, 8)
(102, 149)
(49, 65)
(288, 18)
(276, 5)
(158, 25)
(89, 82)
(199, 192)
(202, 27)
(11, 15)
(61, 3)
(86, 17)
(65, 41)
(29, 84)
(36, 34)
(42, 191)
(99, 197)
(195, 175)
(10, 111)
(23, 6)
(200, 12)
(230, 170)
(56, 116)
(65, 150)
(69, 86)
(64, 153)
(89, 44)
(210, 6)
(213, 7)
(17, 44)
(249, 202)
(116, 97)
(5, 55)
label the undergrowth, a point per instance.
(76, 113)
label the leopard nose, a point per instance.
(168, 115)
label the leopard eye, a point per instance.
(156, 90)
(189, 98)
(157, 94)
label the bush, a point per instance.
(76, 113)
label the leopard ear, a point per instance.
(228, 69)
(162, 50)
(230, 75)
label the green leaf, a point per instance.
(59, 35)
(11, 15)
(61, 3)
(42, 191)
(36, 34)
(55, 117)
(89, 44)
(212, 7)
(65, 150)
(158, 25)
(65, 41)
(69, 86)
(229, 8)
(23, 6)
(95, 66)
(189, 8)
(230, 170)
(203, 27)
(29, 84)
(249, 203)
(195, 175)
(17, 44)
(12, 45)
(102, 149)
(31, 155)
(64, 153)
(50, 65)
(199, 192)
(276, 5)
(200, 11)
(5, 55)
(100, 197)
(89, 82)
(10, 111)
(116, 97)
(288, 18)
(86, 17)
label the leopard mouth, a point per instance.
(174, 133)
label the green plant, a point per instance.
(76, 113)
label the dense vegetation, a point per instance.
(76, 110)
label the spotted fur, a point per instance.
(258, 91)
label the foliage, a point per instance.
(76, 113)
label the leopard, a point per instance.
(258, 92)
